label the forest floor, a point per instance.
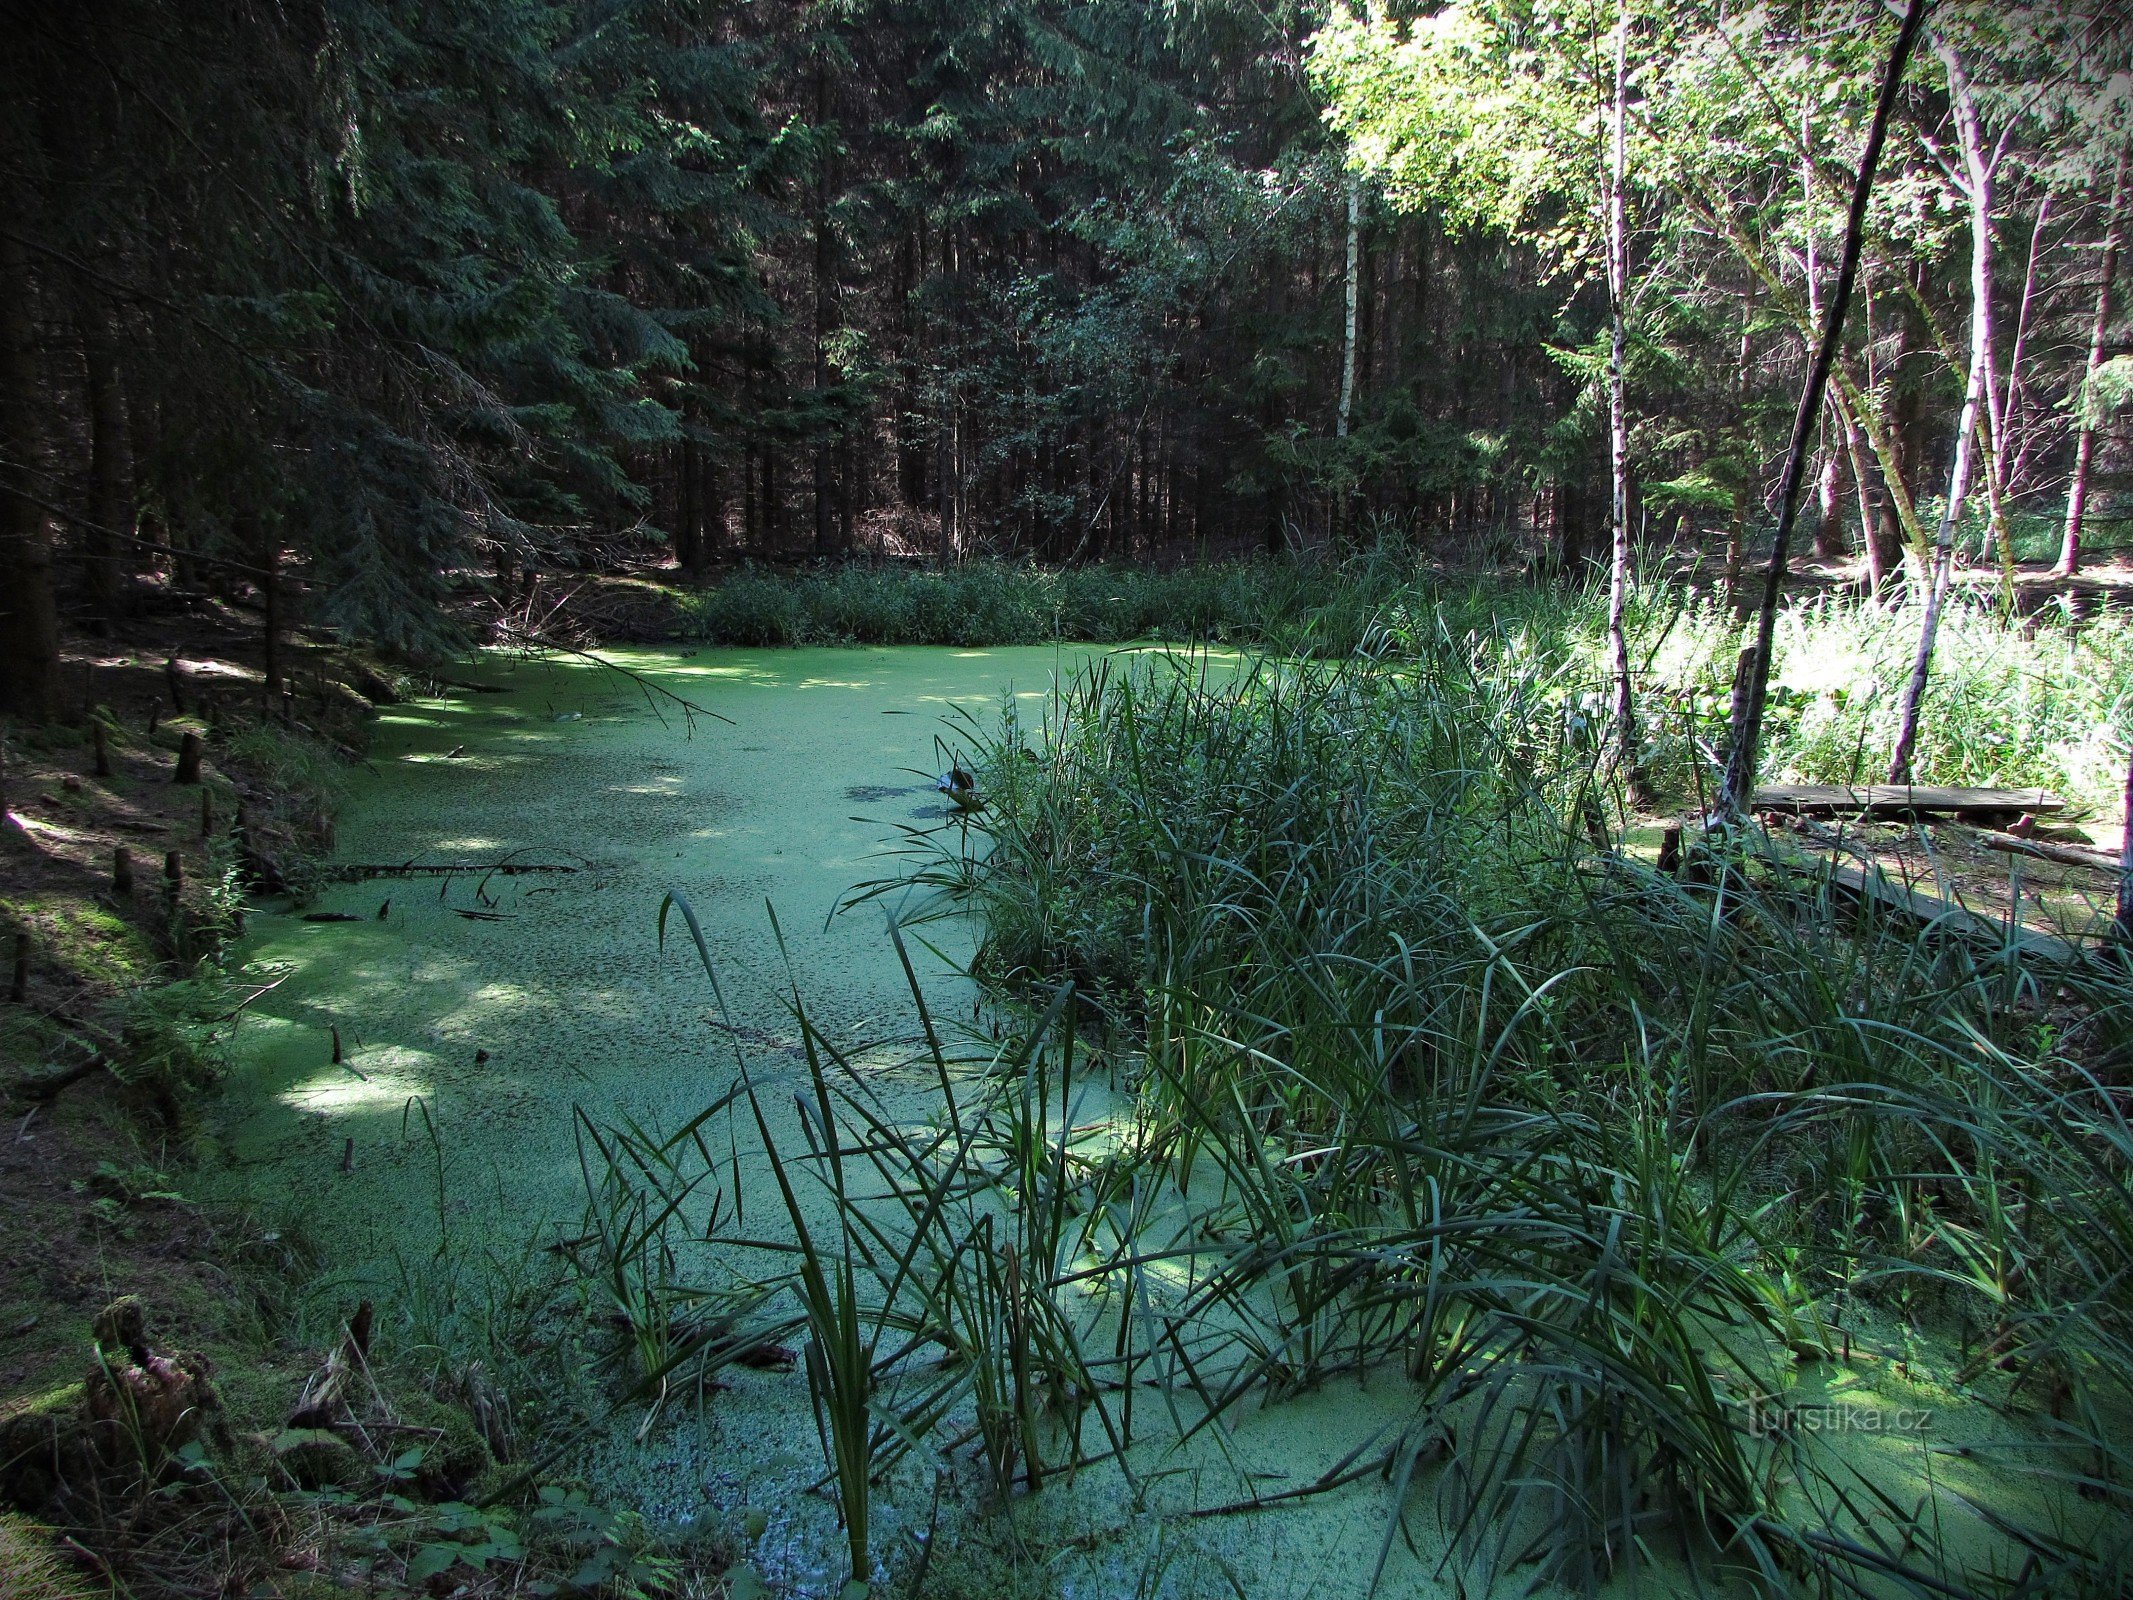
(110, 1055)
(103, 1060)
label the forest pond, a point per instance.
(444, 1143)
(475, 1014)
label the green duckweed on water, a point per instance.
(486, 1021)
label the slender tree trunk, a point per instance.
(1736, 544)
(711, 513)
(688, 532)
(1353, 292)
(29, 617)
(2077, 487)
(1914, 690)
(1883, 552)
(1737, 512)
(1737, 786)
(1978, 168)
(2124, 929)
(1829, 523)
(2010, 467)
(1625, 714)
(749, 525)
(110, 492)
(270, 624)
(825, 302)
(1830, 543)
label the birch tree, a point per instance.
(2077, 487)
(1501, 116)
(1617, 180)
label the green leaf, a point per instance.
(430, 1560)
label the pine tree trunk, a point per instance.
(270, 623)
(2077, 487)
(1353, 293)
(110, 492)
(1830, 543)
(1736, 545)
(710, 513)
(29, 618)
(825, 301)
(1883, 544)
(688, 534)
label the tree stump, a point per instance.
(188, 770)
(122, 872)
(1670, 850)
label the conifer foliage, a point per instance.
(388, 298)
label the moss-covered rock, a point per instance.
(454, 1461)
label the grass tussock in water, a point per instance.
(1420, 1083)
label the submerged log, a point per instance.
(1870, 886)
(357, 872)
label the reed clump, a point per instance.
(1340, 1039)
(1422, 1076)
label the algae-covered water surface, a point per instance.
(418, 1084)
(473, 1015)
(503, 999)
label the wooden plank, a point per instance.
(1901, 800)
(1913, 905)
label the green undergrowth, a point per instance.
(2042, 700)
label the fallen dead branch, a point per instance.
(2072, 855)
(358, 872)
(535, 635)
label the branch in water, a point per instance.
(524, 633)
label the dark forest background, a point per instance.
(368, 294)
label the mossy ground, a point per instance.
(108, 1049)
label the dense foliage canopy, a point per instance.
(381, 294)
